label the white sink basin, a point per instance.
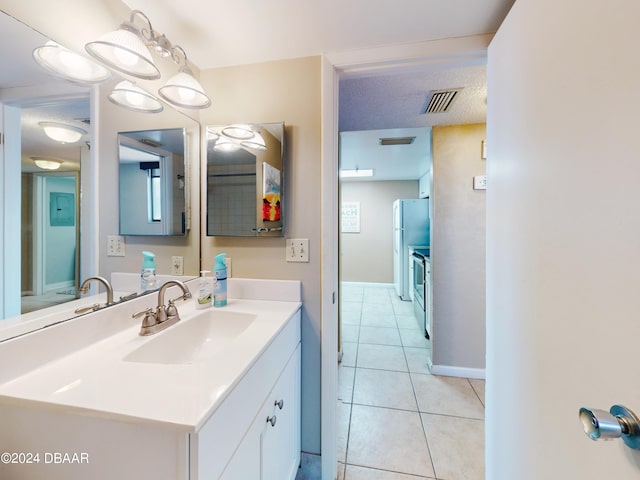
(193, 340)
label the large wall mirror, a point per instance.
(245, 173)
(51, 139)
(50, 185)
(152, 191)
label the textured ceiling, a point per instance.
(397, 100)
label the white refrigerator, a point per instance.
(410, 228)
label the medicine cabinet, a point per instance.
(245, 176)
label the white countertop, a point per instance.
(98, 381)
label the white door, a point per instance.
(563, 237)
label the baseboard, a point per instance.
(367, 284)
(463, 372)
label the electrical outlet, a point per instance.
(297, 250)
(115, 246)
(177, 265)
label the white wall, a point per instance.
(458, 251)
(368, 256)
(563, 236)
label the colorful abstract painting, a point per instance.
(271, 206)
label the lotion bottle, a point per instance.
(148, 272)
(204, 291)
(220, 279)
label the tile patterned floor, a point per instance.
(396, 421)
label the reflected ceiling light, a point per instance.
(238, 131)
(62, 62)
(183, 90)
(224, 144)
(212, 134)
(125, 50)
(61, 132)
(232, 137)
(357, 173)
(129, 95)
(256, 142)
(47, 163)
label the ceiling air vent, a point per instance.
(397, 140)
(440, 101)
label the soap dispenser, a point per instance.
(220, 279)
(204, 291)
(148, 273)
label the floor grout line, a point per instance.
(404, 345)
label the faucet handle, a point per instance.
(171, 310)
(149, 317)
(90, 308)
(184, 297)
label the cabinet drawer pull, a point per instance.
(272, 420)
(279, 404)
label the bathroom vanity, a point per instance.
(215, 396)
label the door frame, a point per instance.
(446, 53)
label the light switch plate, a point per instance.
(115, 246)
(297, 250)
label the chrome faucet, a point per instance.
(155, 321)
(84, 288)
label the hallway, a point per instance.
(396, 421)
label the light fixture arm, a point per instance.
(176, 58)
(146, 33)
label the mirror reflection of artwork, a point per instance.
(271, 206)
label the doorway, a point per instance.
(334, 69)
(50, 234)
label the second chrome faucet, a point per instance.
(155, 321)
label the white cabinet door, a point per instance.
(271, 448)
(245, 464)
(280, 439)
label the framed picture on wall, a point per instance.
(350, 217)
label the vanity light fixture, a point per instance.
(128, 50)
(61, 132)
(183, 90)
(125, 49)
(47, 163)
(128, 95)
(62, 62)
(357, 173)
